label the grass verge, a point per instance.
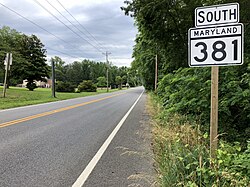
(182, 154)
(16, 97)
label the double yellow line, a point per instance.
(53, 111)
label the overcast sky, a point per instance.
(103, 27)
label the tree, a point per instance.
(60, 70)
(124, 79)
(33, 66)
(10, 43)
(163, 30)
(118, 81)
(101, 81)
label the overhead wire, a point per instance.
(91, 39)
(38, 26)
(81, 25)
(4, 50)
(66, 25)
(62, 52)
(63, 24)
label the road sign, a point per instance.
(219, 46)
(217, 15)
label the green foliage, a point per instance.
(87, 86)
(118, 81)
(87, 70)
(60, 71)
(29, 60)
(187, 92)
(162, 29)
(101, 81)
(183, 155)
(34, 66)
(31, 86)
(65, 87)
(124, 79)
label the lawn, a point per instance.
(16, 97)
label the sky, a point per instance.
(75, 29)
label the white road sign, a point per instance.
(219, 46)
(217, 15)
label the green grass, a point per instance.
(16, 97)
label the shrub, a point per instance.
(182, 154)
(31, 86)
(187, 92)
(64, 87)
(87, 86)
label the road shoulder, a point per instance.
(128, 161)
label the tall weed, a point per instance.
(182, 154)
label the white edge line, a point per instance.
(91, 165)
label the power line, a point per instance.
(80, 24)
(62, 52)
(72, 23)
(65, 25)
(4, 50)
(37, 25)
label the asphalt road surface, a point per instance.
(92, 141)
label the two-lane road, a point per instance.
(52, 144)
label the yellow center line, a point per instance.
(5, 124)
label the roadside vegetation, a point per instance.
(182, 153)
(17, 97)
(182, 98)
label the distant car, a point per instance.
(1, 84)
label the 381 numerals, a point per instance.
(219, 53)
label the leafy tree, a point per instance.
(124, 79)
(10, 43)
(28, 56)
(162, 29)
(118, 81)
(34, 66)
(60, 71)
(101, 81)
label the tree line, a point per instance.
(29, 63)
(76, 72)
(163, 31)
(183, 95)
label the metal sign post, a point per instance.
(216, 40)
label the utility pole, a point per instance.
(7, 62)
(156, 71)
(107, 72)
(53, 78)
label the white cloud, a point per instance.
(102, 18)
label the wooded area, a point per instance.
(182, 98)
(163, 31)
